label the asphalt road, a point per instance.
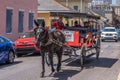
(29, 67)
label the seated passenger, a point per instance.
(76, 24)
(91, 28)
(67, 25)
(86, 24)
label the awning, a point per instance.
(72, 14)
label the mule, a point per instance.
(50, 42)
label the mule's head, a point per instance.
(39, 32)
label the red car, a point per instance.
(25, 44)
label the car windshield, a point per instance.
(109, 30)
(28, 34)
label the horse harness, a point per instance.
(48, 39)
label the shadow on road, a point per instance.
(4, 65)
(74, 68)
(102, 62)
(29, 55)
(93, 62)
(70, 69)
(66, 74)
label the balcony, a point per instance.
(74, 0)
(87, 0)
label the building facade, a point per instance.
(116, 17)
(118, 2)
(100, 2)
(117, 10)
(107, 1)
(45, 9)
(78, 5)
(16, 17)
(97, 2)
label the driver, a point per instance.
(59, 24)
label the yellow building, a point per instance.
(47, 8)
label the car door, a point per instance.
(2, 49)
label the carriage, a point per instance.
(81, 43)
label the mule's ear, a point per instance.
(43, 24)
(36, 23)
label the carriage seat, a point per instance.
(82, 30)
(76, 28)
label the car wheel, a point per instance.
(116, 40)
(11, 57)
(102, 40)
(18, 55)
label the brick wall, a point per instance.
(16, 5)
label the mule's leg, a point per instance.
(59, 56)
(43, 64)
(51, 61)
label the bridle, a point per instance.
(41, 35)
(44, 38)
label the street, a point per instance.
(29, 67)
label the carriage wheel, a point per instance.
(73, 52)
(97, 48)
(82, 55)
(69, 51)
(47, 59)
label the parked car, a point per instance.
(119, 33)
(109, 33)
(7, 50)
(26, 44)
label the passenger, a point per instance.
(59, 24)
(91, 27)
(76, 24)
(67, 25)
(87, 24)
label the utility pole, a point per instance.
(66, 3)
(81, 5)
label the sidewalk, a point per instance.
(118, 77)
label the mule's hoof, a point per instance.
(41, 75)
(58, 69)
(51, 73)
(53, 70)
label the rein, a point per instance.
(47, 39)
